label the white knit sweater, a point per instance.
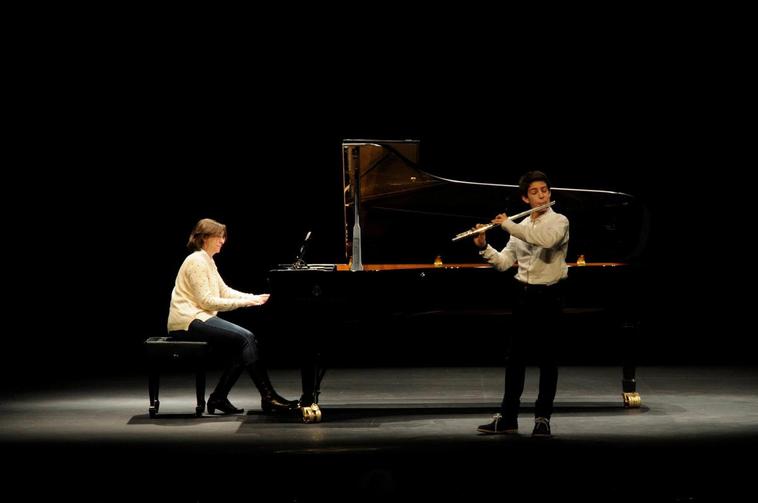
(200, 293)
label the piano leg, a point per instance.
(320, 371)
(311, 374)
(629, 381)
(629, 386)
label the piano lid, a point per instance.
(408, 215)
(387, 168)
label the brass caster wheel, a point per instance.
(632, 400)
(311, 414)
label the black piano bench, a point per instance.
(166, 352)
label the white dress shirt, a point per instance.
(538, 245)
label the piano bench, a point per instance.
(167, 352)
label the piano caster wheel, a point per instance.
(311, 414)
(153, 410)
(199, 411)
(632, 400)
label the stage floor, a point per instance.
(393, 434)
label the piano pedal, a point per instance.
(632, 400)
(311, 414)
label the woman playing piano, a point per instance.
(198, 295)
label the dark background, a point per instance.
(117, 158)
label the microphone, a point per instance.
(305, 242)
(299, 262)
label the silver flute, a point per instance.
(513, 217)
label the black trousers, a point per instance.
(537, 319)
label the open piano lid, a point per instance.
(409, 215)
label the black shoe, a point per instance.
(276, 403)
(541, 427)
(271, 401)
(499, 425)
(223, 405)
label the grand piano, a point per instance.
(402, 273)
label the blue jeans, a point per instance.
(239, 343)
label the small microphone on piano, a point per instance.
(305, 242)
(299, 260)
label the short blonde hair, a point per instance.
(204, 229)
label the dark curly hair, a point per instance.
(531, 176)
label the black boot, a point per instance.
(218, 399)
(223, 405)
(271, 401)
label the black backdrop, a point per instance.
(114, 173)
